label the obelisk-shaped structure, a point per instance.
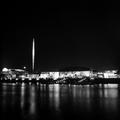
(33, 55)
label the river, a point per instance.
(25, 101)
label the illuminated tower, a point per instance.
(33, 55)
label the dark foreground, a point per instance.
(30, 101)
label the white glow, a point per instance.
(44, 75)
(32, 100)
(22, 95)
(33, 54)
(23, 78)
(57, 96)
(110, 75)
(111, 93)
(19, 70)
(54, 75)
(5, 70)
(85, 73)
(24, 67)
(37, 78)
(111, 85)
(72, 74)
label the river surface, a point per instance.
(21, 101)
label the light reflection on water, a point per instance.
(34, 100)
(54, 96)
(22, 95)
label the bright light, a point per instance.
(33, 54)
(110, 75)
(4, 69)
(24, 67)
(37, 78)
(54, 75)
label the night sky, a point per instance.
(87, 36)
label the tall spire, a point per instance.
(33, 55)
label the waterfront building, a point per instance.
(110, 74)
(13, 73)
(66, 73)
(74, 72)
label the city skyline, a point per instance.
(64, 37)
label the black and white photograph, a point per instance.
(60, 62)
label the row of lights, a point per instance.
(18, 79)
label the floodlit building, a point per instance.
(66, 73)
(51, 75)
(110, 74)
(74, 74)
(106, 74)
(13, 73)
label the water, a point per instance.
(59, 102)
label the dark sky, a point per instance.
(87, 36)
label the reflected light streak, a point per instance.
(13, 93)
(32, 99)
(110, 85)
(57, 96)
(74, 92)
(4, 88)
(51, 93)
(54, 96)
(81, 95)
(110, 93)
(110, 103)
(22, 95)
(13, 89)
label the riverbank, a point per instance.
(83, 81)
